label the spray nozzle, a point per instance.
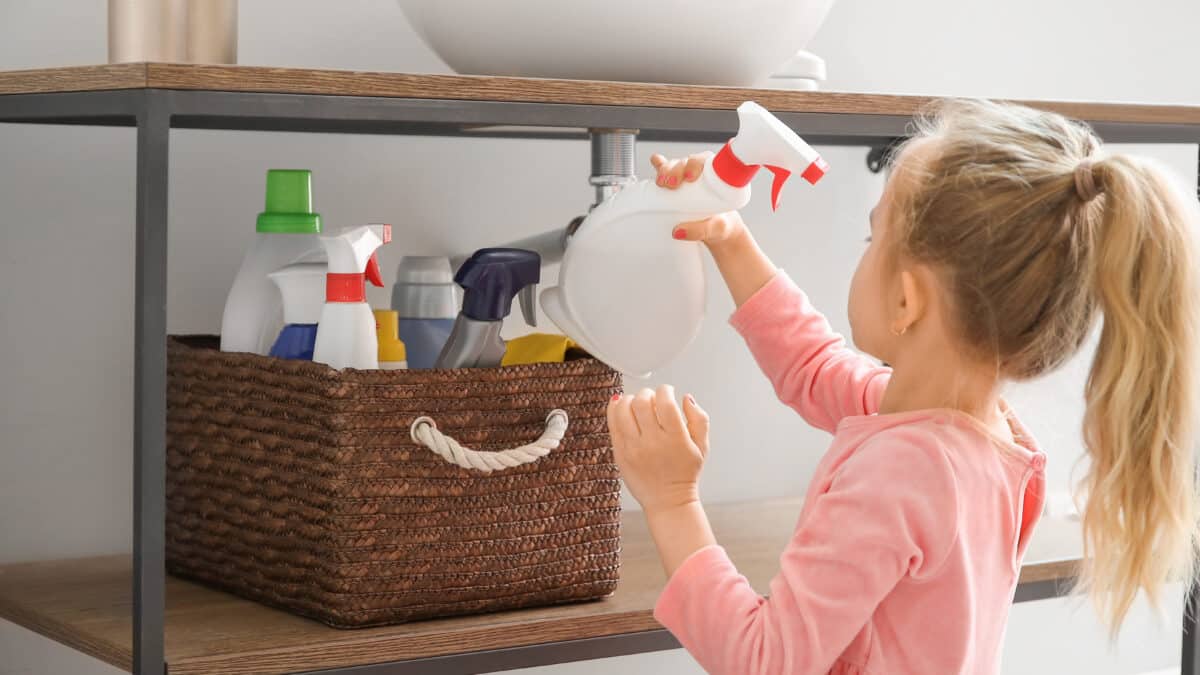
(353, 261)
(764, 141)
(492, 277)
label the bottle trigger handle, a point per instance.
(781, 176)
(372, 272)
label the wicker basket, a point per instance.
(314, 490)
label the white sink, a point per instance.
(713, 42)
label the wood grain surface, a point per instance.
(86, 605)
(74, 78)
(530, 90)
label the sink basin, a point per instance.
(708, 42)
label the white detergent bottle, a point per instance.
(287, 232)
(632, 295)
(346, 332)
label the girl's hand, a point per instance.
(675, 172)
(713, 231)
(659, 449)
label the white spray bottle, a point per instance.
(346, 332)
(629, 293)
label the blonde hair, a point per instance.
(1029, 259)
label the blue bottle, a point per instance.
(302, 288)
(425, 297)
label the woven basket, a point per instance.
(307, 488)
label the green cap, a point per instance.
(289, 203)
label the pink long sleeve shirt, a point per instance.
(909, 544)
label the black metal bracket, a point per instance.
(880, 157)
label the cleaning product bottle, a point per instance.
(302, 287)
(392, 353)
(490, 278)
(346, 331)
(623, 256)
(426, 299)
(288, 232)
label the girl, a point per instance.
(1001, 233)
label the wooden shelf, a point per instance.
(527, 90)
(86, 604)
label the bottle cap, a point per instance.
(425, 288)
(424, 269)
(289, 203)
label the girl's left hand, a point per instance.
(659, 449)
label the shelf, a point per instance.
(517, 89)
(86, 605)
(460, 104)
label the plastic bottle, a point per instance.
(392, 352)
(288, 232)
(346, 331)
(629, 293)
(302, 287)
(490, 278)
(425, 297)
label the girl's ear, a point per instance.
(912, 303)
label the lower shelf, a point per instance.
(86, 604)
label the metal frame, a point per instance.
(154, 112)
(1189, 665)
(150, 388)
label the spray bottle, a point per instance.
(490, 278)
(302, 287)
(623, 255)
(346, 331)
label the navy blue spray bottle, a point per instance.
(490, 279)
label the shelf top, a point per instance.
(86, 605)
(127, 76)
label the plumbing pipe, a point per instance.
(614, 157)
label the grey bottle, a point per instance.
(426, 298)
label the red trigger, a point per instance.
(781, 176)
(372, 272)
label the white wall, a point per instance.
(66, 253)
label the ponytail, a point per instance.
(1020, 210)
(1140, 518)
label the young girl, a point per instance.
(1001, 234)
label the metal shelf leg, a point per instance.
(150, 387)
(1188, 664)
(1191, 640)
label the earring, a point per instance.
(900, 332)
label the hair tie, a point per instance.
(1085, 181)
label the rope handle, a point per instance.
(425, 432)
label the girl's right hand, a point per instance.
(673, 173)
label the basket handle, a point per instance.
(425, 432)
